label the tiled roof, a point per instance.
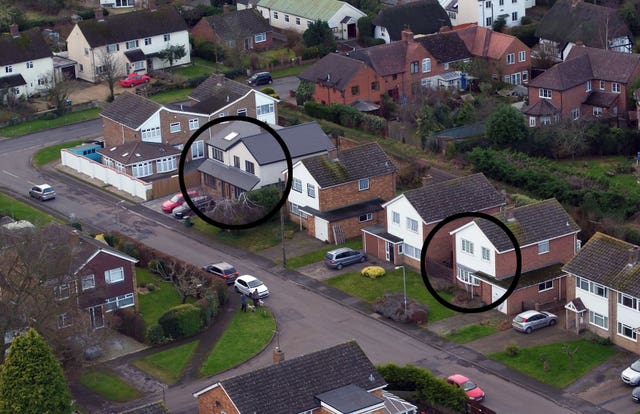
(215, 93)
(334, 70)
(312, 10)
(138, 151)
(363, 161)
(12, 81)
(232, 175)
(290, 387)
(387, 59)
(544, 107)
(445, 47)
(531, 224)
(605, 260)
(239, 24)
(438, 201)
(341, 213)
(528, 278)
(30, 45)
(601, 99)
(130, 110)
(137, 24)
(564, 75)
(422, 17)
(575, 20)
(484, 42)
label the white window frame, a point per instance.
(147, 41)
(466, 246)
(597, 111)
(249, 167)
(621, 329)
(411, 251)
(175, 127)
(298, 21)
(426, 65)
(132, 44)
(119, 302)
(142, 169)
(412, 225)
(588, 86)
(543, 247)
(167, 37)
(194, 123)
(112, 48)
(486, 254)
(465, 277)
(286, 18)
(30, 64)
(88, 282)
(603, 84)
(575, 113)
(582, 284)
(544, 93)
(260, 37)
(363, 184)
(197, 150)
(594, 320)
(296, 185)
(532, 121)
(395, 218)
(63, 291)
(150, 133)
(275, 15)
(514, 16)
(166, 164)
(241, 112)
(8, 69)
(64, 320)
(264, 109)
(365, 217)
(546, 285)
(599, 290)
(511, 58)
(622, 297)
(115, 275)
(615, 87)
(522, 56)
(311, 190)
(217, 154)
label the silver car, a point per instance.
(530, 320)
(43, 192)
(338, 258)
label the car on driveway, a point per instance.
(247, 284)
(531, 320)
(177, 200)
(134, 79)
(260, 78)
(635, 394)
(631, 375)
(474, 392)
(201, 202)
(223, 270)
(338, 258)
(42, 192)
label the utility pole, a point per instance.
(284, 255)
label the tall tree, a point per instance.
(172, 53)
(506, 127)
(109, 70)
(320, 35)
(31, 379)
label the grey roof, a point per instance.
(231, 175)
(380, 231)
(11, 81)
(341, 213)
(130, 110)
(218, 133)
(531, 223)
(396, 405)
(132, 25)
(605, 260)
(216, 92)
(138, 151)
(135, 55)
(29, 45)
(363, 161)
(422, 17)
(239, 24)
(445, 47)
(333, 71)
(438, 201)
(290, 387)
(349, 399)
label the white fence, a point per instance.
(107, 175)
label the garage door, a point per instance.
(496, 293)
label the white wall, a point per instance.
(152, 122)
(626, 315)
(380, 32)
(472, 233)
(401, 205)
(593, 302)
(301, 198)
(270, 118)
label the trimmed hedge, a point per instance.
(346, 116)
(181, 321)
(373, 272)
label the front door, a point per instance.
(97, 318)
(388, 247)
(497, 293)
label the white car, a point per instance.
(247, 284)
(631, 375)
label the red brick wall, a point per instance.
(203, 31)
(352, 226)
(103, 291)
(517, 67)
(560, 251)
(117, 134)
(529, 296)
(207, 402)
(362, 80)
(373, 246)
(347, 194)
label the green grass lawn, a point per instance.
(20, 211)
(318, 255)
(41, 124)
(292, 71)
(471, 333)
(369, 289)
(167, 366)
(193, 71)
(153, 304)
(174, 95)
(52, 153)
(109, 386)
(560, 374)
(255, 239)
(246, 335)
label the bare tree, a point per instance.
(59, 91)
(236, 212)
(187, 279)
(109, 70)
(570, 138)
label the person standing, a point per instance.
(256, 298)
(243, 302)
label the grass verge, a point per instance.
(318, 255)
(20, 211)
(42, 124)
(167, 366)
(560, 373)
(258, 238)
(246, 335)
(471, 333)
(153, 304)
(52, 153)
(109, 386)
(371, 289)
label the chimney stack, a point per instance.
(225, 8)
(332, 153)
(634, 255)
(98, 14)
(508, 214)
(407, 35)
(278, 355)
(13, 30)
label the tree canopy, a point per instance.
(506, 127)
(320, 35)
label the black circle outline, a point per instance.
(287, 188)
(504, 228)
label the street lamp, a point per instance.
(404, 285)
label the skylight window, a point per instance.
(231, 136)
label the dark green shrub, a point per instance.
(129, 322)
(234, 73)
(155, 334)
(181, 321)
(208, 306)
(129, 248)
(193, 82)
(310, 53)
(151, 287)
(111, 239)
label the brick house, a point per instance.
(603, 290)
(142, 159)
(485, 258)
(242, 30)
(508, 58)
(437, 68)
(318, 199)
(410, 217)
(340, 379)
(590, 83)
(422, 17)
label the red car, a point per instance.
(176, 201)
(134, 79)
(474, 392)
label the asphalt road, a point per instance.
(307, 321)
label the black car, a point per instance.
(203, 203)
(223, 270)
(260, 78)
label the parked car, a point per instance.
(338, 258)
(530, 320)
(134, 79)
(635, 394)
(474, 392)
(201, 202)
(223, 270)
(43, 192)
(260, 78)
(247, 284)
(631, 375)
(177, 200)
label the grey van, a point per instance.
(338, 258)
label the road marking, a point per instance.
(8, 173)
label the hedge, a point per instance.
(346, 116)
(181, 321)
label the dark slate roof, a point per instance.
(215, 93)
(544, 107)
(528, 278)
(12, 81)
(601, 99)
(576, 304)
(30, 45)
(137, 24)
(229, 174)
(333, 70)
(290, 387)
(130, 110)
(135, 55)
(422, 17)
(531, 224)
(380, 231)
(239, 24)
(605, 260)
(575, 20)
(138, 151)
(341, 213)
(387, 59)
(363, 161)
(349, 399)
(438, 201)
(301, 140)
(445, 47)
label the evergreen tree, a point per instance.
(320, 35)
(31, 379)
(506, 127)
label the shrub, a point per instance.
(181, 321)
(208, 306)
(151, 287)
(155, 334)
(234, 73)
(373, 272)
(130, 323)
(512, 348)
(111, 239)
(597, 339)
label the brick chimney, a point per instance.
(13, 30)
(98, 14)
(278, 355)
(225, 8)
(508, 215)
(407, 35)
(634, 255)
(332, 153)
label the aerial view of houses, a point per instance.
(297, 206)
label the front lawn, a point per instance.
(529, 361)
(246, 335)
(174, 95)
(167, 365)
(42, 124)
(109, 386)
(318, 255)
(193, 71)
(20, 211)
(471, 333)
(153, 304)
(255, 239)
(371, 289)
(52, 153)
